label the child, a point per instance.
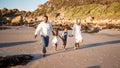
(55, 39)
(64, 37)
(77, 33)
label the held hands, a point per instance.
(81, 41)
(53, 33)
(70, 35)
(60, 36)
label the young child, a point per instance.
(55, 39)
(64, 37)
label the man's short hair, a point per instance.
(45, 16)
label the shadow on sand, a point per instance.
(24, 59)
(97, 66)
(100, 44)
(88, 46)
(2, 45)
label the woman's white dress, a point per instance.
(77, 33)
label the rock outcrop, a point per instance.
(17, 20)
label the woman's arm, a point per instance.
(73, 31)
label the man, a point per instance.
(44, 29)
(77, 33)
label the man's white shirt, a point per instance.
(44, 29)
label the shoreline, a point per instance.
(98, 49)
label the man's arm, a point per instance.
(37, 30)
(51, 28)
(53, 33)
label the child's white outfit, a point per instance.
(55, 40)
(77, 33)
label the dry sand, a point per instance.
(99, 50)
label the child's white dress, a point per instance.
(55, 40)
(77, 33)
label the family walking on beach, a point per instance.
(44, 29)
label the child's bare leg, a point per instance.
(64, 46)
(79, 43)
(75, 47)
(55, 47)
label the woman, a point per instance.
(77, 33)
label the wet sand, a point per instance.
(99, 50)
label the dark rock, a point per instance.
(9, 61)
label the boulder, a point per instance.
(17, 20)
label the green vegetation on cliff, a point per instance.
(93, 10)
(80, 8)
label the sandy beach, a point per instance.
(98, 50)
